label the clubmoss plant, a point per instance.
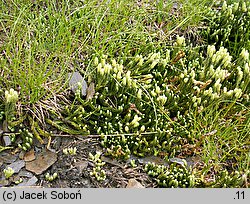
(235, 179)
(165, 85)
(8, 172)
(52, 177)
(27, 139)
(97, 170)
(133, 163)
(70, 151)
(19, 181)
(171, 177)
(11, 97)
(229, 26)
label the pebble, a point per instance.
(132, 183)
(31, 182)
(42, 162)
(7, 158)
(16, 166)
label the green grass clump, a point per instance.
(230, 180)
(229, 26)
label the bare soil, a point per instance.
(73, 170)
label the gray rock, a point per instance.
(6, 141)
(31, 182)
(16, 166)
(42, 162)
(7, 158)
(81, 165)
(179, 161)
(132, 183)
(24, 173)
(76, 78)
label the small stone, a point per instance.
(7, 158)
(6, 141)
(152, 159)
(179, 161)
(76, 78)
(31, 182)
(30, 155)
(4, 182)
(21, 155)
(16, 166)
(132, 183)
(24, 173)
(43, 161)
(81, 165)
